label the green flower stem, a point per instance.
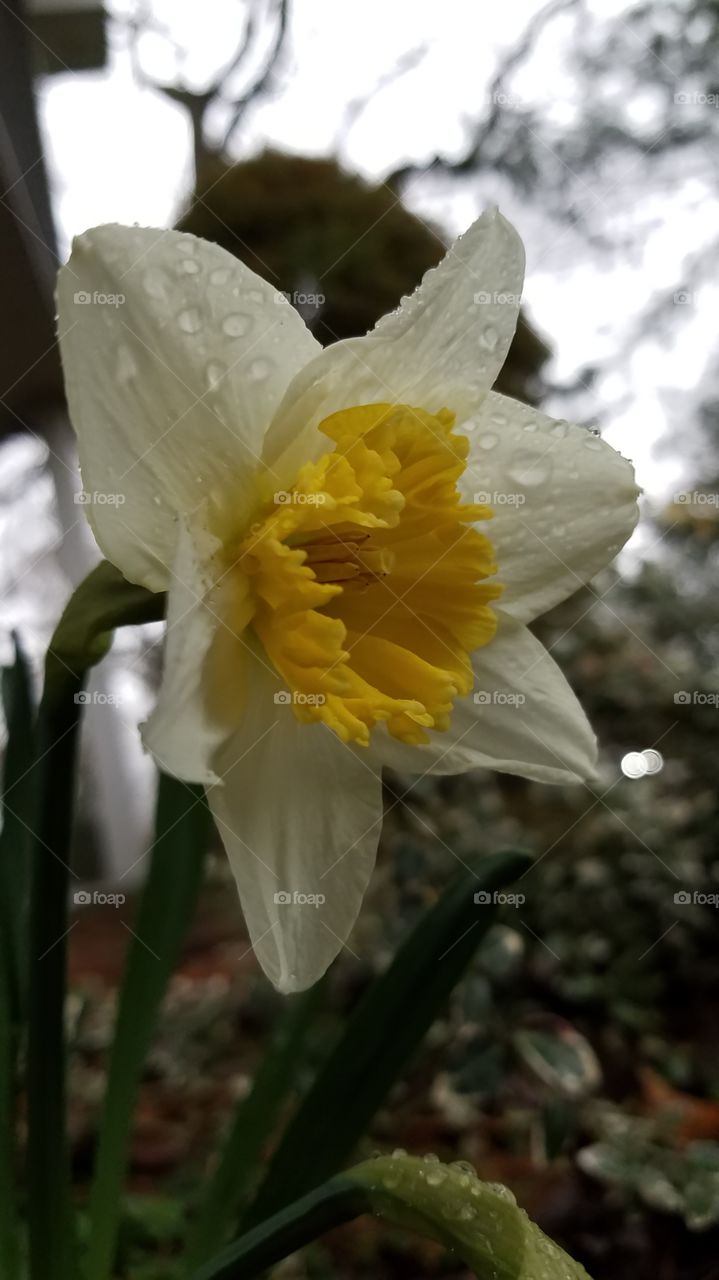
(479, 1222)
(50, 1218)
(102, 602)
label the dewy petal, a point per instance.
(176, 357)
(564, 502)
(300, 817)
(522, 718)
(183, 733)
(442, 349)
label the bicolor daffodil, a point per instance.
(353, 541)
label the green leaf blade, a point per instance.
(384, 1030)
(167, 905)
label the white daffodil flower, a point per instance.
(353, 541)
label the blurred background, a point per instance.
(337, 148)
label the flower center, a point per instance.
(367, 579)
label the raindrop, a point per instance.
(654, 760)
(488, 441)
(215, 372)
(153, 282)
(436, 1176)
(530, 426)
(398, 1153)
(499, 1189)
(157, 500)
(190, 320)
(488, 337)
(237, 325)
(532, 473)
(220, 275)
(259, 370)
(255, 296)
(592, 443)
(189, 267)
(186, 246)
(126, 367)
(634, 765)
(560, 429)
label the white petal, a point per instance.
(522, 718)
(299, 814)
(443, 348)
(172, 386)
(183, 733)
(564, 502)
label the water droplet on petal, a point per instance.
(126, 367)
(186, 246)
(560, 429)
(488, 441)
(220, 275)
(189, 266)
(215, 372)
(259, 369)
(237, 325)
(488, 337)
(532, 472)
(255, 296)
(190, 320)
(592, 443)
(153, 282)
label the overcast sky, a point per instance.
(121, 152)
